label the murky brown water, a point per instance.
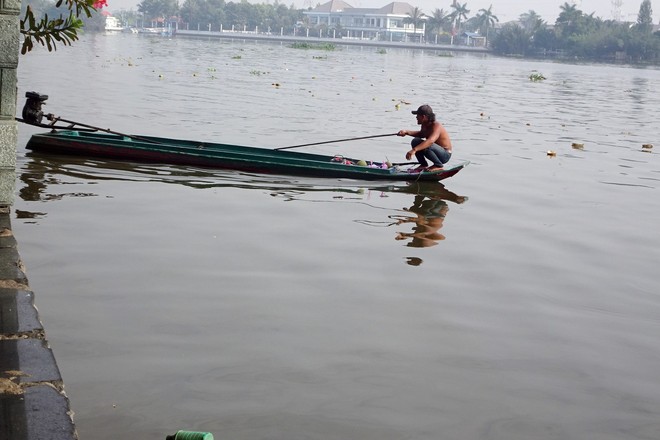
(519, 301)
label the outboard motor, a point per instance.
(32, 113)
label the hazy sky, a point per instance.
(505, 10)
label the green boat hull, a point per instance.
(224, 156)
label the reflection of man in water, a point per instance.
(430, 218)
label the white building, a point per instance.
(387, 23)
(112, 24)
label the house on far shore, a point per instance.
(474, 39)
(112, 24)
(388, 23)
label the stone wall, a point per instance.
(9, 49)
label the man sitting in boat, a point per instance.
(431, 141)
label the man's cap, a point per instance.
(423, 110)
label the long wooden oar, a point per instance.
(55, 119)
(338, 140)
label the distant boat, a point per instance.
(150, 30)
(112, 24)
(155, 31)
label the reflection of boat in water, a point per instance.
(433, 190)
(42, 170)
(45, 176)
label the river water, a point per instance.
(519, 300)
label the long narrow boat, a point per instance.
(216, 155)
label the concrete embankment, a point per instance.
(32, 400)
(235, 35)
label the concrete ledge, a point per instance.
(41, 412)
(18, 316)
(33, 405)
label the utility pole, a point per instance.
(616, 10)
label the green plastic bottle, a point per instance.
(190, 435)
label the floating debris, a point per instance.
(536, 76)
(551, 153)
(647, 146)
(577, 146)
(322, 46)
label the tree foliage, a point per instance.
(459, 14)
(37, 26)
(201, 14)
(512, 39)
(486, 19)
(645, 16)
(574, 33)
(439, 22)
(581, 35)
(415, 17)
(158, 9)
(531, 21)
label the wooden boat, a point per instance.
(217, 155)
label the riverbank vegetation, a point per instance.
(574, 34)
(583, 36)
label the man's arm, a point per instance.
(409, 133)
(430, 139)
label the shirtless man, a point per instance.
(430, 142)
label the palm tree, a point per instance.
(485, 20)
(569, 14)
(439, 21)
(531, 21)
(415, 17)
(459, 14)
(570, 9)
(568, 20)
